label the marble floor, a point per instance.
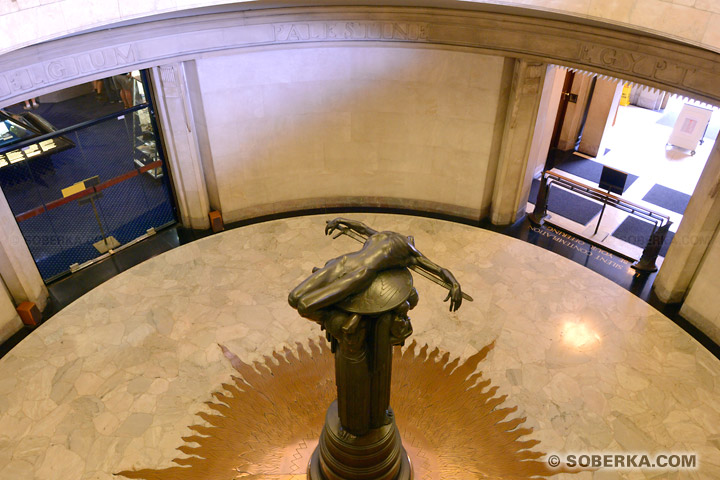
(116, 379)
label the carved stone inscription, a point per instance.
(647, 66)
(64, 68)
(694, 73)
(318, 31)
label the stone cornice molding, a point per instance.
(649, 60)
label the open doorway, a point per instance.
(603, 122)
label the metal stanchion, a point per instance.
(652, 249)
(540, 211)
(106, 243)
(602, 212)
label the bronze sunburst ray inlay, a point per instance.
(266, 423)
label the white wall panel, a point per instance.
(293, 125)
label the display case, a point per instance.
(146, 150)
(16, 128)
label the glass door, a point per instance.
(83, 191)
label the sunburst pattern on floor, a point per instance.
(266, 423)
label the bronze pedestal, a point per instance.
(360, 440)
(377, 455)
(362, 300)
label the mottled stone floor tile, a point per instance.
(115, 379)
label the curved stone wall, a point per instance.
(301, 128)
(649, 60)
(28, 22)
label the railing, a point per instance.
(661, 223)
(22, 143)
(48, 194)
(87, 192)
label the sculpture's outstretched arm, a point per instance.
(333, 292)
(359, 227)
(455, 293)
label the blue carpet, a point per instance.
(588, 169)
(65, 235)
(637, 232)
(567, 204)
(81, 249)
(72, 111)
(667, 198)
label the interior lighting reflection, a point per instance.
(580, 335)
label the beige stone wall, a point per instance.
(547, 112)
(9, 319)
(297, 128)
(702, 304)
(605, 99)
(27, 22)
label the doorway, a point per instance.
(628, 128)
(83, 172)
